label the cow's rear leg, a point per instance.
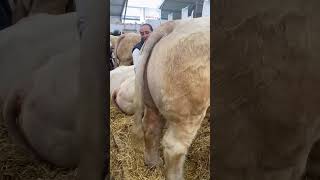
(176, 142)
(152, 126)
(137, 125)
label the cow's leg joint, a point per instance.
(174, 154)
(152, 127)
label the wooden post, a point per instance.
(92, 126)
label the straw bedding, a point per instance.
(127, 152)
(126, 155)
(16, 164)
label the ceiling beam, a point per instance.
(123, 6)
(115, 5)
(171, 10)
(162, 4)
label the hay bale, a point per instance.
(126, 154)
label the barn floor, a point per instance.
(127, 153)
(126, 156)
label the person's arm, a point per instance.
(135, 56)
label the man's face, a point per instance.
(145, 32)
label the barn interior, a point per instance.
(126, 155)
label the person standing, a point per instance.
(145, 31)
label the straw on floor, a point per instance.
(127, 153)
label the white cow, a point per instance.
(173, 83)
(123, 96)
(119, 75)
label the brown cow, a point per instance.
(173, 82)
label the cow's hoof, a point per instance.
(152, 164)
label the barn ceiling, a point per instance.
(168, 6)
(116, 7)
(175, 6)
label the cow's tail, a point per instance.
(140, 88)
(11, 112)
(117, 62)
(114, 100)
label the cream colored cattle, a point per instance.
(173, 82)
(113, 41)
(123, 48)
(119, 75)
(123, 96)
